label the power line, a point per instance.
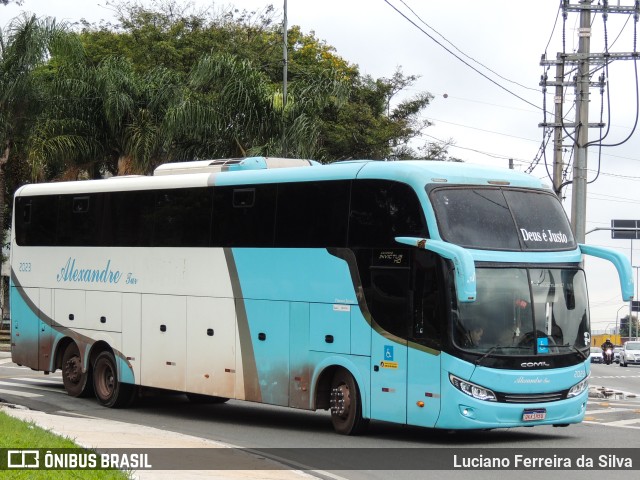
(481, 129)
(460, 51)
(461, 59)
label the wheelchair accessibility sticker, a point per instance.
(388, 353)
(543, 345)
(388, 358)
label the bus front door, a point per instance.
(388, 379)
(389, 307)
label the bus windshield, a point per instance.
(502, 219)
(525, 311)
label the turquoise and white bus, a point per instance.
(425, 293)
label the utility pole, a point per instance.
(583, 59)
(579, 190)
(558, 101)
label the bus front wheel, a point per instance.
(110, 392)
(346, 405)
(76, 382)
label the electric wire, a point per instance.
(461, 52)
(482, 74)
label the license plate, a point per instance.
(534, 414)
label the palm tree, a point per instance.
(230, 108)
(104, 118)
(25, 45)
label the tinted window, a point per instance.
(541, 220)
(129, 219)
(182, 217)
(312, 214)
(506, 219)
(474, 217)
(244, 216)
(382, 210)
(35, 220)
(78, 217)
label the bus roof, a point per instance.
(417, 173)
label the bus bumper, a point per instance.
(464, 412)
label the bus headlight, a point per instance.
(578, 388)
(473, 390)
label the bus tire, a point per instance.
(199, 398)
(109, 391)
(346, 405)
(76, 382)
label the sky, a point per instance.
(487, 97)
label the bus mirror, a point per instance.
(621, 262)
(464, 266)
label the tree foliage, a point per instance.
(628, 329)
(169, 82)
(26, 46)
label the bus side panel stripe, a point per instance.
(249, 368)
(59, 332)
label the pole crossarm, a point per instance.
(606, 8)
(596, 58)
(570, 125)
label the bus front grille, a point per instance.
(532, 397)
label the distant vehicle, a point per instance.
(596, 355)
(616, 354)
(630, 354)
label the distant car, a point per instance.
(596, 355)
(630, 354)
(616, 354)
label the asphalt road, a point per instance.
(610, 422)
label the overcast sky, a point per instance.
(492, 120)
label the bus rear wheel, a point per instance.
(346, 405)
(76, 382)
(110, 392)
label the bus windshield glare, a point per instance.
(502, 219)
(525, 311)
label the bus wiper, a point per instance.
(489, 352)
(576, 349)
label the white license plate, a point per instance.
(534, 414)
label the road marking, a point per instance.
(20, 394)
(32, 387)
(623, 423)
(606, 424)
(608, 410)
(51, 380)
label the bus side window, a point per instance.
(312, 214)
(130, 216)
(182, 217)
(244, 216)
(382, 210)
(78, 219)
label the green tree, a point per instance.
(356, 117)
(629, 330)
(103, 118)
(26, 44)
(368, 126)
(230, 108)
